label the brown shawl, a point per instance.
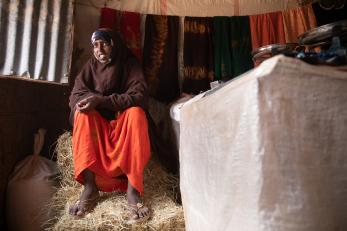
(121, 82)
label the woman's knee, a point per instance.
(136, 113)
(85, 115)
(135, 110)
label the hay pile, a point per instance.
(111, 212)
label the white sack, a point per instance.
(268, 151)
(175, 111)
(30, 188)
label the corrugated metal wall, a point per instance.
(36, 38)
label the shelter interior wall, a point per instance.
(86, 20)
(25, 106)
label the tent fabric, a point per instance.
(197, 54)
(267, 151)
(205, 8)
(160, 61)
(297, 21)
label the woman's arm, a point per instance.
(136, 91)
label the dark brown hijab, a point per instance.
(120, 81)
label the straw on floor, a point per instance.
(111, 211)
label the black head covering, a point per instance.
(120, 51)
(103, 34)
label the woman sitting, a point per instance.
(111, 144)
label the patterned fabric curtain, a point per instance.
(127, 23)
(241, 44)
(222, 52)
(130, 29)
(160, 61)
(297, 21)
(232, 46)
(108, 18)
(198, 53)
(267, 29)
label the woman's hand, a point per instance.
(89, 103)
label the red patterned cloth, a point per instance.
(108, 18)
(127, 23)
(130, 29)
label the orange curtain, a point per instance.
(266, 29)
(110, 149)
(297, 21)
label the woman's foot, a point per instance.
(85, 203)
(88, 197)
(137, 211)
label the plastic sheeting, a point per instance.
(36, 38)
(267, 151)
(204, 8)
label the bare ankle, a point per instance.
(91, 189)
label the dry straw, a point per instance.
(111, 211)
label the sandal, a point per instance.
(87, 208)
(133, 216)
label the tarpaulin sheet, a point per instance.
(205, 8)
(267, 151)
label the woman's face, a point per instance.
(102, 51)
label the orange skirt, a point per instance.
(111, 148)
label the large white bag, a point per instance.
(30, 188)
(268, 151)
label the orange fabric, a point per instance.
(297, 21)
(266, 29)
(110, 149)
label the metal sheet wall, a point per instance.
(36, 38)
